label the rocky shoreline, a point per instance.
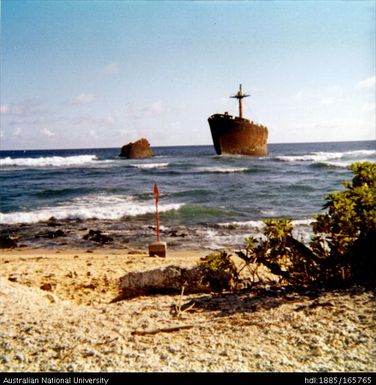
(101, 233)
(76, 233)
(135, 233)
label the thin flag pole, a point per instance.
(156, 195)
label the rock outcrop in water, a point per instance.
(139, 149)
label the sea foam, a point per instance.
(93, 206)
(49, 161)
(251, 225)
(221, 170)
(147, 166)
(314, 157)
(334, 159)
(302, 231)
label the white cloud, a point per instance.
(93, 134)
(155, 108)
(333, 89)
(368, 107)
(110, 120)
(149, 111)
(88, 119)
(111, 69)
(298, 96)
(4, 108)
(367, 83)
(327, 101)
(123, 132)
(29, 109)
(17, 131)
(332, 129)
(10, 109)
(47, 132)
(83, 99)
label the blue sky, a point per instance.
(103, 73)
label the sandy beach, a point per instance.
(240, 128)
(57, 315)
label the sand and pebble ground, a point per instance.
(56, 315)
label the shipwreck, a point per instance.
(236, 134)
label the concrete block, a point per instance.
(158, 249)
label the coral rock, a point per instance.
(139, 149)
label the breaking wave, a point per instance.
(49, 161)
(147, 166)
(242, 225)
(257, 225)
(221, 170)
(314, 157)
(234, 233)
(331, 159)
(110, 207)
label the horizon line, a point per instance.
(180, 145)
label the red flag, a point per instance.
(156, 192)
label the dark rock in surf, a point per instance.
(51, 234)
(98, 237)
(139, 149)
(55, 234)
(6, 242)
(175, 234)
(52, 222)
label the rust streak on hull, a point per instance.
(238, 136)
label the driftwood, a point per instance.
(178, 309)
(161, 330)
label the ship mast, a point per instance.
(239, 95)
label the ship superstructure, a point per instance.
(237, 135)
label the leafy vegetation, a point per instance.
(219, 271)
(281, 253)
(345, 234)
(342, 250)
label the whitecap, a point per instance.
(221, 170)
(49, 161)
(302, 230)
(336, 159)
(303, 222)
(147, 166)
(360, 153)
(243, 225)
(110, 207)
(313, 157)
(338, 164)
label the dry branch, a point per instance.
(161, 330)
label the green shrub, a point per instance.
(342, 249)
(345, 233)
(220, 272)
(281, 253)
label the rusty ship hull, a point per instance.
(236, 135)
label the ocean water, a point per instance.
(205, 199)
